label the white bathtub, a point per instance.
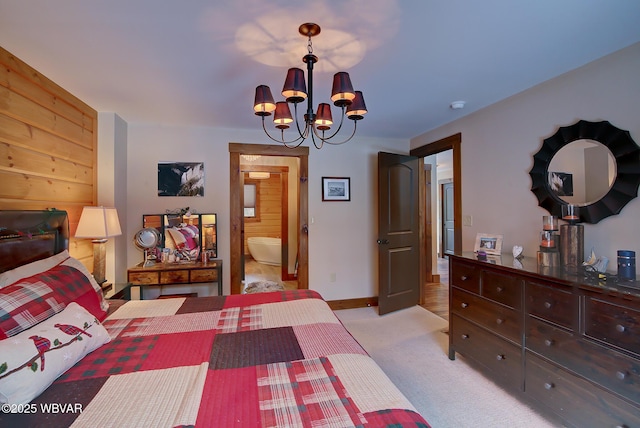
(265, 250)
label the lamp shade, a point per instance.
(324, 120)
(263, 104)
(342, 93)
(282, 117)
(295, 88)
(357, 109)
(98, 223)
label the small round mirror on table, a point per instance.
(146, 239)
(593, 165)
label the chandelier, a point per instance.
(316, 125)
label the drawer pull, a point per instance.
(500, 357)
(620, 328)
(464, 277)
(464, 305)
(549, 386)
(499, 321)
(549, 342)
(621, 375)
(465, 336)
(499, 289)
(547, 305)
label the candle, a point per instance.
(548, 243)
(547, 239)
(549, 222)
(570, 212)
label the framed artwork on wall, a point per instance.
(336, 189)
(180, 179)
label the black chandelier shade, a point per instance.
(295, 91)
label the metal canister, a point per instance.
(626, 265)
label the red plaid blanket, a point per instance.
(260, 360)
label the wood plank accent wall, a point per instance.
(48, 147)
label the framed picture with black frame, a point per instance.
(336, 189)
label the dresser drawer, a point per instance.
(576, 399)
(499, 319)
(143, 278)
(204, 275)
(174, 277)
(505, 289)
(465, 275)
(552, 304)
(612, 323)
(502, 358)
(614, 371)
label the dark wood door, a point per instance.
(398, 232)
(448, 233)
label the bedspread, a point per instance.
(258, 360)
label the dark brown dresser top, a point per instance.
(528, 266)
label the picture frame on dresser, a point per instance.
(490, 244)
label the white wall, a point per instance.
(112, 184)
(498, 143)
(342, 236)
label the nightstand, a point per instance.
(120, 291)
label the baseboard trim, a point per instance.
(353, 303)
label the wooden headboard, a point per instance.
(27, 236)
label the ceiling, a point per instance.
(197, 62)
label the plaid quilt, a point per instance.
(279, 359)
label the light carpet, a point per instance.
(411, 347)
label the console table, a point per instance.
(568, 344)
(176, 273)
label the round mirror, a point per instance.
(568, 178)
(591, 164)
(146, 239)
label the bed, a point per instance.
(71, 358)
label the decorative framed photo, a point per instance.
(180, 179)
(336, 189)
(490, 244)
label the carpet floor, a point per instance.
(411, 346)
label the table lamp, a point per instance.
(99, 224)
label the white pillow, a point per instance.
(34, 359)
(25, 271)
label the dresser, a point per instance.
(567, 344)
(175, 274)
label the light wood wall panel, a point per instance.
(48, 147)
(270, 206)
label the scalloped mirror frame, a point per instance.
(627, 156)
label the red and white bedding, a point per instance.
(258, 360)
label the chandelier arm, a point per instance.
(282, 141)
(335, 132)
(313, 139)
(355, 124)
(304, 134)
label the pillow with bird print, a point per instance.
(30, 361)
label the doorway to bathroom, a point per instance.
(268, 203)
